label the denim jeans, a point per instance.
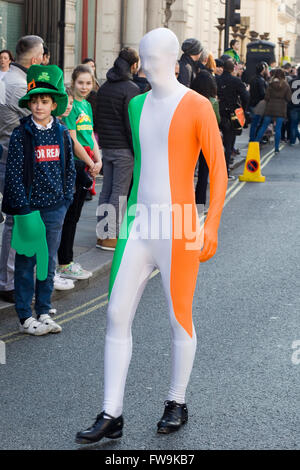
(294, 130)
(255, 123)
(24, 269)
(266, 122)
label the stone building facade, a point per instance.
(124, 22)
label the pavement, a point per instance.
(244, 388)
(85, 252)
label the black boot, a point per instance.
(102, 427)
(175, 415)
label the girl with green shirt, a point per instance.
(87, 156)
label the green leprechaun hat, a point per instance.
(46, 79)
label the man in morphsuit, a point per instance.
(170, 125)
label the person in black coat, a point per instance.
(258, 87)
(205, 85)
(188, 62)
(232, 94)
(114, 133)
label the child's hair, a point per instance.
(42, 95)
(69, 91)
(82, 69)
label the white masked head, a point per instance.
(159, 51)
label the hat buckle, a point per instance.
(31, 85)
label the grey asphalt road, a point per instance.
(244, 389)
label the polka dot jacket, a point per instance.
(53, 175)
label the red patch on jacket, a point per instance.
(47, 153)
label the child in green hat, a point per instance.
(39, 182)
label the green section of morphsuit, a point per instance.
(135, 111)
(29, 239)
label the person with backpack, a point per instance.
(38, 190)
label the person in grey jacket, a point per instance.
(29, 51)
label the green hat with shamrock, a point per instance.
(46, 79)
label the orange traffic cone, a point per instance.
(252, 170)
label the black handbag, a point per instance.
(235, 124)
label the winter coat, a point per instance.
(113, 97)
(258, 87)
(188, 70)
(40, 172)
(232, 93)
(278, 95)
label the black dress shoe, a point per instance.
(102, 427)
(175, 415)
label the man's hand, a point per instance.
(210, 245)
(29, 239)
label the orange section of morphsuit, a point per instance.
(193, 127)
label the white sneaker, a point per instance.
(61, 283)
(33, 327)
(73, 271)
(46, 320)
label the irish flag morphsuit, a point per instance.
(168, 135)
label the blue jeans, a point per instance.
(24, 269)
(255, 123)
(266, 122)
(294, 120)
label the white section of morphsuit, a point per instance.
(140, 258)
(159, 50)
(156, 118)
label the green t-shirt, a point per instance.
(80, 120)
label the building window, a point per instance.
(11, 24)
